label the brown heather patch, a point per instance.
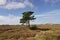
(18, 32)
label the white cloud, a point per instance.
(40, 15)
(48, 17)
(26, 2)
(16, 5)
(50, 13)
(2, 2)
(10, 19)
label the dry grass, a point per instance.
(14, 32)
(18, 32)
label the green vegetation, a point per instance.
(33, 27)
(27, 16)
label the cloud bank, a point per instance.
(10, 19)
(48, 17)
(2, 2)
(14, 4)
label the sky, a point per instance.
(45, 11)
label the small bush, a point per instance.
(33, 27)
(43, 29)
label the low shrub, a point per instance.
(33, 27)
(43, 29)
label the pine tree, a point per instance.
(27, 16)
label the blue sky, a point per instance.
(45, 11)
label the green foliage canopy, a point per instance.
(27, 16)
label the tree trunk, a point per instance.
(28, 23)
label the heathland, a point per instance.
(38, 32)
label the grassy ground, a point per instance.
(17, 32)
